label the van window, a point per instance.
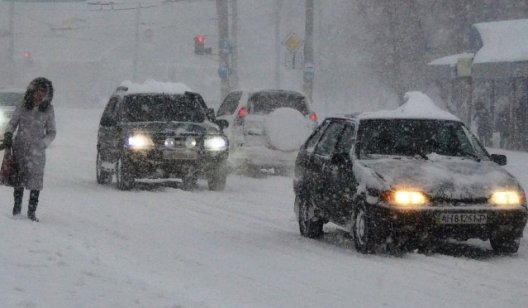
(267, 101)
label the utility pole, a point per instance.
(234, 44)
(309, 68)
(222, 9)
(136, 43)
(11, 47)
(278, 7)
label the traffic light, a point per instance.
(199, 44)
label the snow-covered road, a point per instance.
(160, 246)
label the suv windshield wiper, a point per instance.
(470, 155)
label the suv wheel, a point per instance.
(103, 177)
(124, 178)
(363, 230)
(504, 243)
(308, 225)
(216, 180)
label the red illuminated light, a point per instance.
(313, 116)
(242, 112)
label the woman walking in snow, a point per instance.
(34, 123)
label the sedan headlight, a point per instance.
(215, 143)
(506, 198)
(405, 198)
(140, 142)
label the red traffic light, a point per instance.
(200, 39)
(26, 55)
(199, 46)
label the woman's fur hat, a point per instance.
(38, 83)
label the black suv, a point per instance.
(401, 180)
(152, 134)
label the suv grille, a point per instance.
(177, 141)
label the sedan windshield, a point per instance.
(413, 137)
(153, 108)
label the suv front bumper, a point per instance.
(161, 163)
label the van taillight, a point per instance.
(242, 112)
(313, 116)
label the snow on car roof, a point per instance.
(152, 86)
(417, 106)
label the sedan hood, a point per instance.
(177, 128)
(442, 177)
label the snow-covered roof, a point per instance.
(417, 106)
(152, 86)
(503, 41)
(452, 59)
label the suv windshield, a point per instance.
(267, 101)
(151, 108)
(411, 137)
(10, 98)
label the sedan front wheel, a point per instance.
(363, 230)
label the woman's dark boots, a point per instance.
(18, 194)
(33, 202)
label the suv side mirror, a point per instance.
(210, 114)
(499, 159)
(222, 123)
(341, 160)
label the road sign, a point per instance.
(309, 71)
(223, 71)
(294, 60)
(224, 46)
(292, 42)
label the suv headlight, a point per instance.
(140, 142)
(215, 143)
(505, 198)
(405, 198)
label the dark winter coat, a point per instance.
(35, 130)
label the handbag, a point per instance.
(8, 170)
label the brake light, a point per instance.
(313, 116)
(242, 112)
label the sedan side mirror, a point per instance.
(222, 123)
(210, 114)
(499, 159)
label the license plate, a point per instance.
(179, 154)
(461, 218)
